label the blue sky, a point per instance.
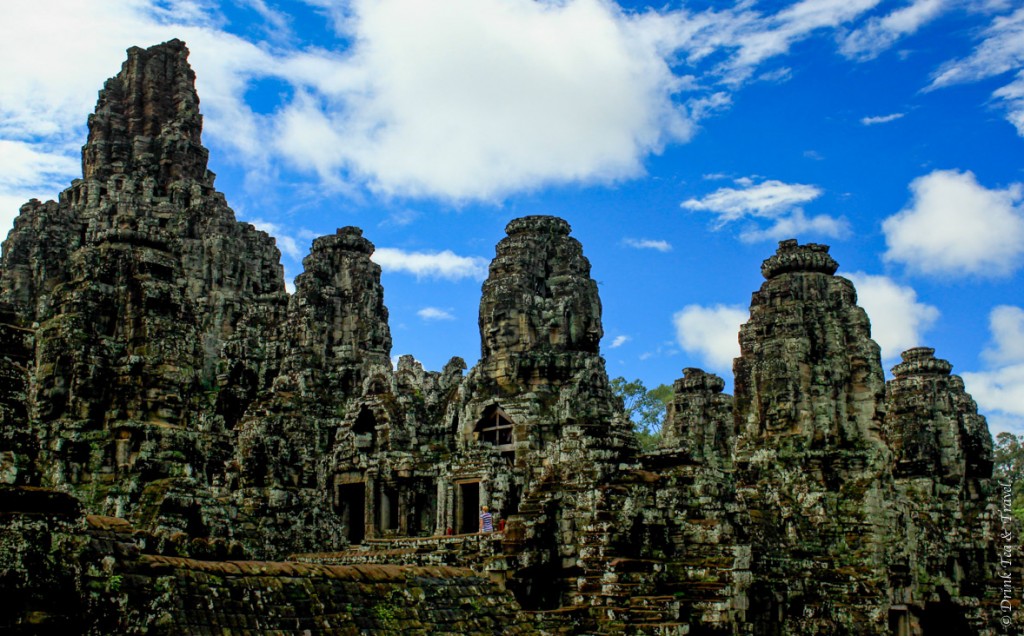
(680, 140)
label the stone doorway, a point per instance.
(352, 510)
(899, 621)
(467, 514)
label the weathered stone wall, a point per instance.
(69, 574)
(188, 596)
(40, 575)
(18, 444)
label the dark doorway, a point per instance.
(944, 617)
(538, 587)
(765, 610)
(899, 621)
(352, 510)
(511, 501)
(469, 507)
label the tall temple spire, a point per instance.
(147, 119)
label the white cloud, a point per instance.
(446, 264)
(745, 37)
(225, 66)
(648, 244)
(28, 171)
(711, 333)
(400, 218)
(1012, 96)
(473, 99)
(766, 199)
(798, 224)
(779, 75)
(772, 200)
(1001, 51)
(881, 119)
(955, 226)
(759, 38)
(42, 94)
(454, 99)
(619, 341)
(880, 33)
(703, 107)
(1002, 423)
(276, 20)
(1006, 324)
(898, 320)
(434, 313)
(999, 390)
(22, 165)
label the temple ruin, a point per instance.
(186, 448)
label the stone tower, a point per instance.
(540, 331)
(132, 283)
(334, 338)
(338, 324)
(809, 453)
(699, 418)
(942, 465)
(540, 397)
(147, 122)
(539, 304)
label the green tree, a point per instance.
(646, 409)
(1008, 466)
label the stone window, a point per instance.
(125, 450)
(376, 385)
(388, 505)
(422, 515)
(365, 428)
(495, 428)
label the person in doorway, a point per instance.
(486, 520)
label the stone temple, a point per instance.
(186, 448)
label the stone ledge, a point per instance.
(293, 569)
